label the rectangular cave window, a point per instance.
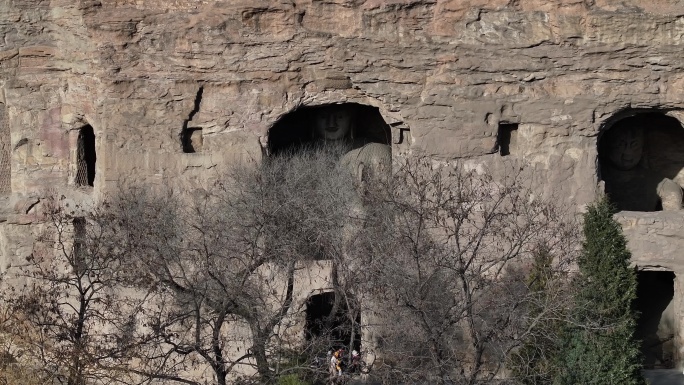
(85, 157)
(5, 147)
(192, 140)
(506, 137)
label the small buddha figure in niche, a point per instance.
(365, 158)
(630, 181)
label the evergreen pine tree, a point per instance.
(600, 347)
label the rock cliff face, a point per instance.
(176, 90)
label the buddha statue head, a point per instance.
(625, 147)
(333, 122)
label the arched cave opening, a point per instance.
(85, 157)
(656, 323)
(641, 159)
(329, 325)
(349, 123)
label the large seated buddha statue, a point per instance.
(365, 158)
(631, 182)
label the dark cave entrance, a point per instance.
(656, 323)
(506, 137)
(191, 139)
(640, 154)
(297, 129)
(85, 157)
(329, 326)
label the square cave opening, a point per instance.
(507, 137)
(328, 324)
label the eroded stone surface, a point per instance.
(444, 75)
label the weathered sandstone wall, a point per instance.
(444, 75)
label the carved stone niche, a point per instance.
(192, 140)
(657, 324)
(85, 157)
(642, 161)
(349, 123)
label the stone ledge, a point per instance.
(655, 238)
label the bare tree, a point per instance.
(69, 313)
(447, 255)
(164, 287)
(222, 265)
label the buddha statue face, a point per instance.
(332, 122)
(625, 147)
